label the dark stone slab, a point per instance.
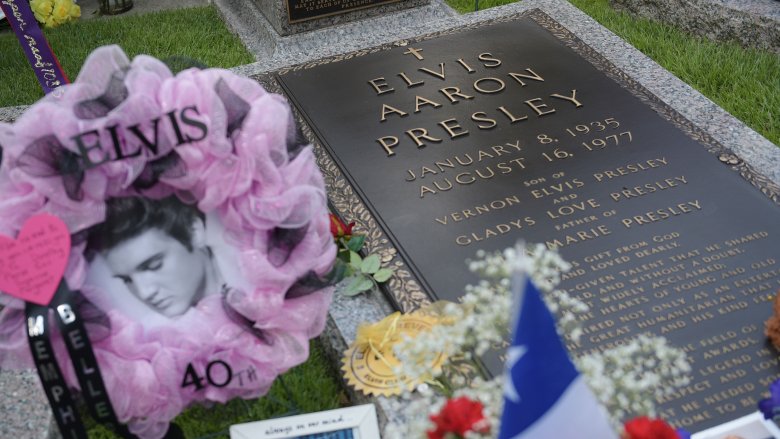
(294, 16)
(669, 232)
(302, 10)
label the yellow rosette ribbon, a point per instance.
(369, 364)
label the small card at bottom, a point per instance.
(358, 422)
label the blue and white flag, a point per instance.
(544, 395)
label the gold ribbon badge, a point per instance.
(369, 363)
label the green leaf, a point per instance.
(383, 275)
(355, 260)
(337, 273)
(358, 285)
(343, 255)
(370, 264)
(365, 284)
(356, 243)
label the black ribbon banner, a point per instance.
(84, 363)
(49, 371)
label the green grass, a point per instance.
(196, 33)
(313, 386)
(744, 82)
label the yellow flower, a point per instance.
(75, 11)
(61, 11)
(42, 9)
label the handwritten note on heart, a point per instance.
(32, 265)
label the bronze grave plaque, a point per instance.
(475, 138)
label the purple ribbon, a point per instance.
(42, 60)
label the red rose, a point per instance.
(338, 229)
(646, 428)
(459, 416)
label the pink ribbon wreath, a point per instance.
(228, 146)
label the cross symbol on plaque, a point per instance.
(415, 52)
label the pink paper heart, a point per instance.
(32, 265)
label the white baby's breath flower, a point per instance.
(626, 379)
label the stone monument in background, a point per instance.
(751, 23)
(293, 16)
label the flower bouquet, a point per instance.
(52, 13)
(455, 401)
